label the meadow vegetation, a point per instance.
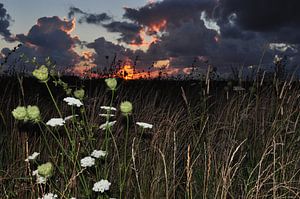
(73, 138)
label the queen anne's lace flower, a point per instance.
(98, 153)
(107, 125)
(126, 107)
(106, 115)
(111, 83)
(32, 156)
(49, 196)
(56, 122)
(73, 101)
(70, 117)
(39, 179)
(144, 125)
(107, 108)
(87, 161)
(101, 186)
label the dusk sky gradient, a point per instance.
(176, 34)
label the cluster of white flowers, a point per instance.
(106, 115)
(39, 179)
(49, 196)
(108, 108)
(73, 101)
(87, 161)
(144, 125)
(101, 186)
(32, 156)
(98, 153)
(56, 122)
(107, 125)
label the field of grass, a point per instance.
(205, 143)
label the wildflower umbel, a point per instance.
(107, 125)
(126, 107)
(144, 125)
(20, 113)
(49, 196)
(108, 108)
(101, 186)
(39, 179)
(73, 101)
(41, 73)
(32, 156)
(33, 113)
(56, 122)
(111, 83)
(79, 94)
(98, 153)
(87, 161)
(45, 170)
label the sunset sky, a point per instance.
(173, 34)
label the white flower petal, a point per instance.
(107, 125)
(87, 161)
(56, 122)
(73, 101)
(101, 186)
(144, 125)
(108, 108)
(32, 156)
(98, 153)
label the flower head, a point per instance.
(41, 73)
(111, 83)
(49, 196)
(33, 113)
(73, 101)
(79, 94)
(101, 186)
(106, 115)
(108, 108)
(126, 107)
(20, 113)
(98, 153)
(70, 117)
(56, 122)
(144, 125)
(32, 156)
(87, 161)
(46, 169)
(107, 125)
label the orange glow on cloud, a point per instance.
(158, 26)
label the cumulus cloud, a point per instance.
(49, 37)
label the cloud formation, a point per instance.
(50, 37)
(88, 17)
(5, 20)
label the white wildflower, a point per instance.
(56, 122)
(49, 196)
(70, 117)
(32, 156)
(72, 198)
(87, 161)
(108, 108)
(106, 115)
(73, 101)
(144, 125)
(98, 153)
(39, 179)
(101, 186)
(107, 125)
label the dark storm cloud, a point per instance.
(173, 11)
(277, 20)
(5, 20)
(50, 37)
(106, 51)
(88, 17)
(129, 31)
